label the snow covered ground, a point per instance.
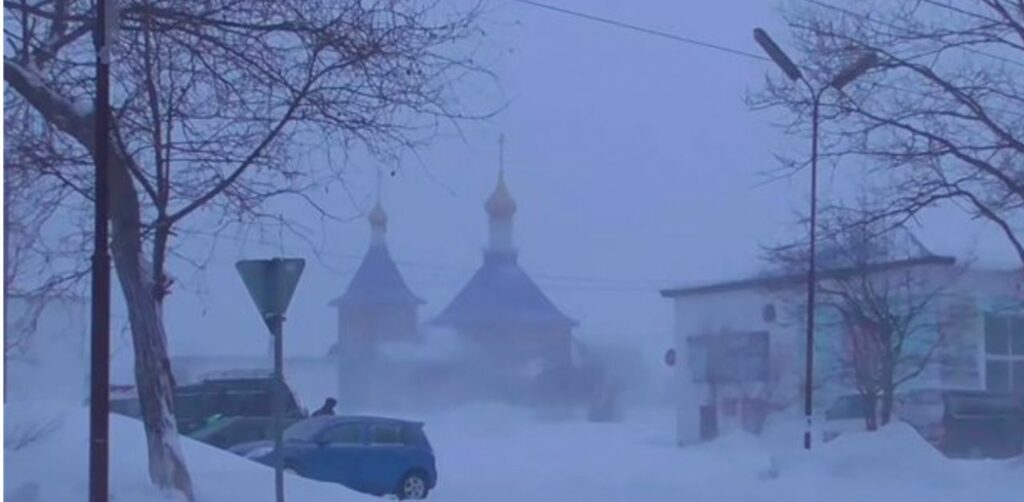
(57, 464)
(500, 454)
(503, 455)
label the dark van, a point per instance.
(967, 423)
(200, 404)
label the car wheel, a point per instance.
(413, 486)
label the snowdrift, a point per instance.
(503, 453)
(56, 463)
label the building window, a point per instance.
(768, 312)
(1004, 353)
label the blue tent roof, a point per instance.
(377, 282)
(501, 294)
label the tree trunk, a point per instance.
(871, 411)
(153, 377)
(887, 402)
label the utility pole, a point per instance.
(99, 402)
(848, 74)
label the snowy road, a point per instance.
(499, 456)
(494, 454)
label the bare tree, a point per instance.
(885, 296)
(939, 120)
(40, 264)
(222, 105)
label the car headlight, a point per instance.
(260, 451)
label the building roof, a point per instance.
(377, 282)
(834, 261)
(500, 293)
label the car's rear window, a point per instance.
(386, 434)
(344, 433)
(413, 435)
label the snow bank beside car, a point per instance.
(54, 468)
(500, 453)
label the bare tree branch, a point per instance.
(938, 120)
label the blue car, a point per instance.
(379, 456)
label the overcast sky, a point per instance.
(634, 161)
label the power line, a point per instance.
(738, 52)
(641, 29)
(550, 281)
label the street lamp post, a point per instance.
(99, 400)
(844, 77)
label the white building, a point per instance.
(976, 324)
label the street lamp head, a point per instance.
(774, 52)
(865, 62)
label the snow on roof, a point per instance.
(501, 293)
(377, 281)
(837, 255)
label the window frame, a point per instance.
(400, 435)
(1012, 355)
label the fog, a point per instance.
(637, 165)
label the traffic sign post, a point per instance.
(271, 284)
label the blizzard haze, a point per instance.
(647, 190)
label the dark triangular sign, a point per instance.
(271, 283)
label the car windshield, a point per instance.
(231, 398)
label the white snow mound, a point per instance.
(54, 467)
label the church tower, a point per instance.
(501, 210)
(377, 306)
(501, 309)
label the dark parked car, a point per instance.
(226, 432)
(229, 396)
(199, 405)
(379, 456)
(971, 424)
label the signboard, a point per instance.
(730, 357)
(271, 283)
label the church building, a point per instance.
(378, 306)
(501, 310)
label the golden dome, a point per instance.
(500, 204)
(377, 216)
